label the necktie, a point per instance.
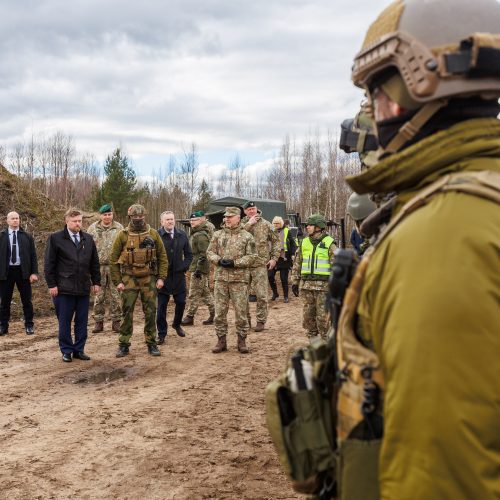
(171, 236)
(75, 236)
(13, 257)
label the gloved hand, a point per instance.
(226, 263)
(295, 290)
(197, 273)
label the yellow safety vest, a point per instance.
(315, 258)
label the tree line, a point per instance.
(307, 175)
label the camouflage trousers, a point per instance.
(237, 293)
(146, 288)
(199, 293)
(108, 291)
(259, 285)
(315, 314)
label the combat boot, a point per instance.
(210, 320)
(115, 326)
(221, 345)
(98, 327)
(188, 320)
(153, 350)
(122, 350)
(242, 346)
(259, 327)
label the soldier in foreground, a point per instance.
(268, 251)
(232, 251)
(104, 232)
(199, 289)
(429, 298)
(310, 273)
(139, 266)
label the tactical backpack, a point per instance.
(326, 424)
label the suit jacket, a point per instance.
(71, 268)
(27, 253)
(179, 259)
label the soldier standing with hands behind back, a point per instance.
(139, 266)
(104, 233)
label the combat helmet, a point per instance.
(316, 220)
(429, 52)
(359, 206)
(136, 210)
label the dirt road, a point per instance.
(186, 425)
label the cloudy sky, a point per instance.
(232, 76)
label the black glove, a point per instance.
(226, 263)
(295, 290)
(197, 273)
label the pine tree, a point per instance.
(204, 197)
(120, 185)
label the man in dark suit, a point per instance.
(71, 271)
(19, 267)
(179, 258)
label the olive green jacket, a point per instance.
(121, 241)
(430, 306)
(199, 241)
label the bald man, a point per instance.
(19, 267)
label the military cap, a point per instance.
(249, 204)
(137, 210)
(198, 213)
(316, 220)
(106, 208)
(232, 211)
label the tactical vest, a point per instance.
(137, 261)
(325, 415)
(315, 259)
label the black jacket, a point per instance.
(179, 259)
(289, 254)
(27, 253)
(69, 268)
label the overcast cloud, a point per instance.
(232, 76)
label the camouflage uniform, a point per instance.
(199, 290)
(267, 244)
(231, 284)
(104, 237)
(145, 286)
(313, 291)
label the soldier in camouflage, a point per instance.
(104, 232)
(268, 249)
(139, 265)
(312, 267)
(199, 289)
(232, 251)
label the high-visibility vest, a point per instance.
(315, 258)
(284, 239)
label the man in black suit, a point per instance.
(71, 271)
(19, 267)
(179, 258)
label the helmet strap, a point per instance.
(411, 128)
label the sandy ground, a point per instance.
(187, 425)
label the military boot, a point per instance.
(153, 350)
(210, 320)
(221, 345)
(242, 347)
(122, 350)
(115, 326)
(188, 320)
(98, 327)
(259, 327)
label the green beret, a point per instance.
(198, 213)
(106, 208)
(248, 204)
